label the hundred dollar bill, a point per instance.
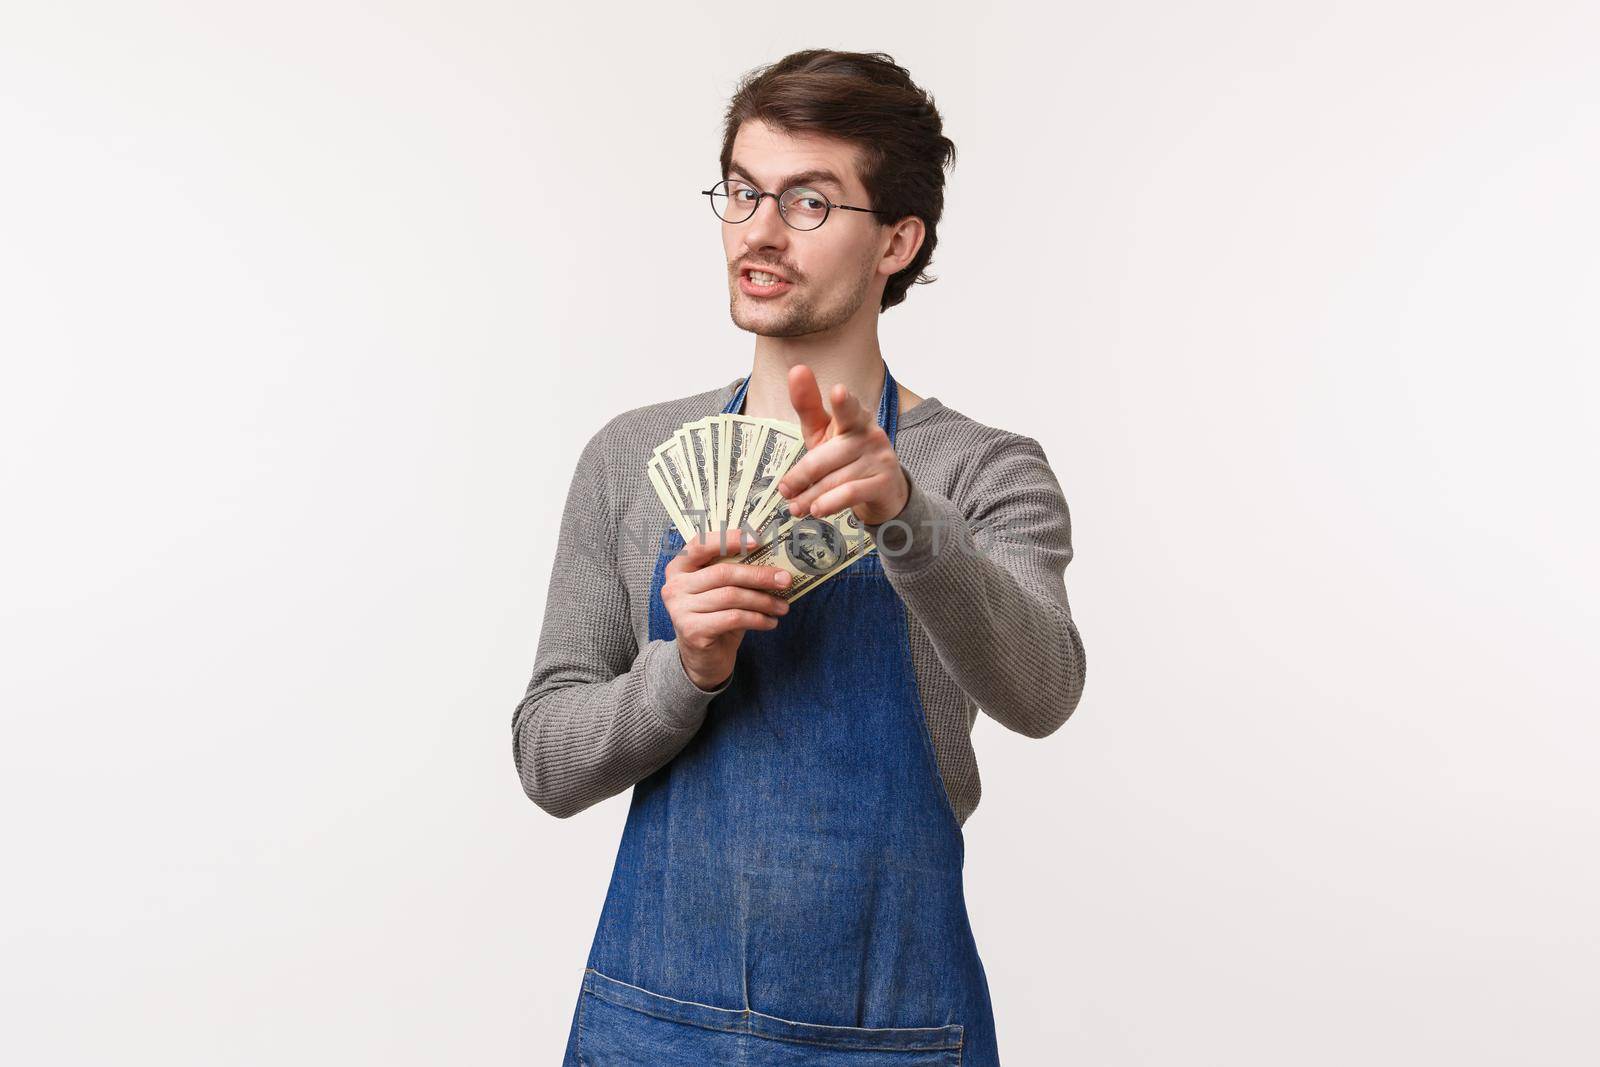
(740, 437)
(711, 428)
(696, 437)
(751, 474)
(778, 448)
(812, 550)
(661, 482)
(672, 462)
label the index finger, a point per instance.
(807, 401)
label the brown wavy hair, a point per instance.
(867, 99)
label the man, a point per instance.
(788, 888)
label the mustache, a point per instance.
(775, 268)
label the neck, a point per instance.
(860, 369)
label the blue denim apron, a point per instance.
(788, 888)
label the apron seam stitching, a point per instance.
(745, 1014)
(925, 729)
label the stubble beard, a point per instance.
(801, 317)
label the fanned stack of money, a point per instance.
(722, 472)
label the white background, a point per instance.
(304, 326)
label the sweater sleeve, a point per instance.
(985, 579)
(599, 713)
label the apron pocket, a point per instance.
(621, 1023)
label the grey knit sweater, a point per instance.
(980, 573)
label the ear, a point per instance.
(901, 244)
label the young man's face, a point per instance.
(831, 272)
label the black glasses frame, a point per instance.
(828, 209)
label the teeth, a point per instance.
(761, 277)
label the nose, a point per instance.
(766, 228)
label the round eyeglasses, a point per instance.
(800, 207)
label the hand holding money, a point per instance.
(712, 604)
(720, 474)
(850, 462)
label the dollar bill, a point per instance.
(721, 472)
(812, 549)
(682, 493)
(741, 437)
(692, 439)
(779, 449)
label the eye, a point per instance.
(806, 200)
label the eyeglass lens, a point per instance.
(802, 208)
